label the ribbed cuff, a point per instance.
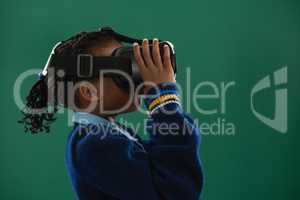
(161, 94)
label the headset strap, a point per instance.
(109, 31)
(87, 66)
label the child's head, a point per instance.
(104, 93)
(107, 96)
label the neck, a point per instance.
(110, 118)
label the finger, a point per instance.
(146, 53)
(167, 60)
(138, 57)
(156, 54)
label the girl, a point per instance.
(106, 160)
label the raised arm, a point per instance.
(174, 136)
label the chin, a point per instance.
(134, 106)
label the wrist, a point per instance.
(161, 94)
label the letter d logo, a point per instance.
(279, 122)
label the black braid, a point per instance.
(38, 121)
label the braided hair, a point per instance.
(37, 117)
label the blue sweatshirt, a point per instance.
(107, 161)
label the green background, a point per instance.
(233, 40)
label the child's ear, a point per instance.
(88, 91)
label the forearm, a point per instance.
(168, 124)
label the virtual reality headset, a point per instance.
(121, 65)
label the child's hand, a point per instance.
(154, 69)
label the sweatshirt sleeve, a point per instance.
(174, 145)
